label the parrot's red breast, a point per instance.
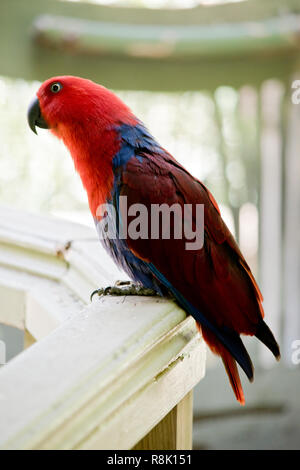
(116, 156)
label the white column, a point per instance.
(291, 331)
(270, 210)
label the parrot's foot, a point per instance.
(124, 288)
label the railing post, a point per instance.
(174, 432)
(28, 339)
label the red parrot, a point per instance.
(115, 155)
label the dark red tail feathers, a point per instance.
(229, 362)
(233, 374)
(263, 333)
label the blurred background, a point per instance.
(216, 83)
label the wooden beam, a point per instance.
(80, 36)
(175, 431)
(22, 57)
(29, 340)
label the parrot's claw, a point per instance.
(124, 288)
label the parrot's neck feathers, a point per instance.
(111, 149)
(93, 162)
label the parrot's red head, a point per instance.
(67, 102)
(84, 115)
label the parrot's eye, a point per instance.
(56, 87)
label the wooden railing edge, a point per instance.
(117, 373)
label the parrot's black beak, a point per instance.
(35, 117)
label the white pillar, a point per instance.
(291, 284)
(270, 210)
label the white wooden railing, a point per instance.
(114, 374)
